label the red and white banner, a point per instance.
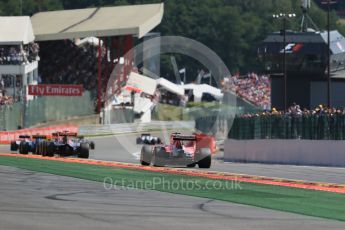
(56, 90)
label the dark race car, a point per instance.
(14, 146)
(28, 144)
(148, 139)
(183, 150)
(67, 144)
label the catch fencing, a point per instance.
(307, 126)
(45, 109)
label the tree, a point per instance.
(232, 28)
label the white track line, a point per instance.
(136, 155)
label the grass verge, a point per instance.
(306, 202)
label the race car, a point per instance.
(66, 144)
(32, 145)
(148, 139)
(27, 144)
(14, 146)
(183, 150)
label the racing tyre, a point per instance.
(24, 148)
(191, 165)
(204, 158)
(37, 152)
(49, 149)
(153, 142)
(158, 158)
(20, 147)
(40, 149)
(138, 141)
(146, 155)
(43, 149)
(14, 146)
(92, 145)
(84, 150)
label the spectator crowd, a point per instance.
(5, 82)
(17, 55)
(5, 100)
(320, 123)
(62, 62)
(251, 87)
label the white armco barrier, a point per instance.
(295, 152)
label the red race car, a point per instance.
(183, 150)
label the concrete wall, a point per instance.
(295, 152)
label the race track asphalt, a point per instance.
(122, 148)
(34, 201)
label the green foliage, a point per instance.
(232, 28)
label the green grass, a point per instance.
(165, 112)
(307, 202)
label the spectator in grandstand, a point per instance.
(6, 100)
(252, 87)
(71, 64)
(16, 55)
(319, 124)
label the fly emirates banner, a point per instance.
(56, 90)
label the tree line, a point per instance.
(231, 28)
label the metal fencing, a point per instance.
(307, 126)
(45, 109)
(11, 116)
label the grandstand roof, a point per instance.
(171, 87)
(16, 30)
(204, 88)
(99, 22)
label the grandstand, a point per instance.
(18, 58)
(64, 59)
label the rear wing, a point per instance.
(64, 134)
(145, 134)
(39, 136)
(206, 141)
(184, 138)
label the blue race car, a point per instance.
(67, 144)
(30, 144)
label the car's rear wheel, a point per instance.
(49, 149)
(139, 140)
(84, 150)
(44, 149)
(14, 146)
(146, 155)
(41, 150)
(37, 152)
(20, 147)
(24, 148)
(158, 158)
(204, 158)
(191, 165)
(92, 145)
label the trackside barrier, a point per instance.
(7, 136)
(135, 127)
(293, 152)
(275, 126)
